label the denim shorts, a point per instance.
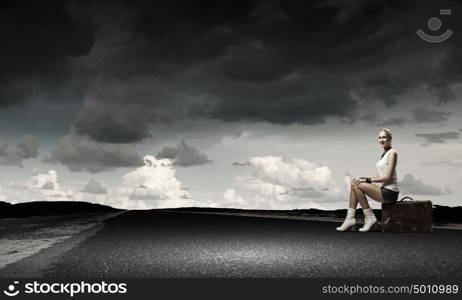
(388, 195)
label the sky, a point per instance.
(245, 104)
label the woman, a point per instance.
(362, 186)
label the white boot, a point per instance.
(349, 221)
(369, 220)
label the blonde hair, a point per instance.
(387, 132)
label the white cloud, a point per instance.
(278, 183)
(46, 181)
(41, 186)
(232, 199)
(294, 173)
(153, 185)
(47, 184)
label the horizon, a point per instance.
(198, 207)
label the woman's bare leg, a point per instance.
(371, 190)
(353, 201)
(360, 196)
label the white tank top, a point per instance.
(382, 167)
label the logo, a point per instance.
(11, 291)
(67, 288)
(434, 24)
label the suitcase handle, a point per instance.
(406, 198)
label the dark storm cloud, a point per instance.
(441, 91)
(26, 148)
(94, 187)
(41, 41)
(114, 113)
(424, 115)
(184, 155)
(79, 153)
(290, 100)
(412, 185)
(281, 62)
(419, 115)
(438, 138)
(396, 121)
(277, 62)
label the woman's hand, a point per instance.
(359, 180)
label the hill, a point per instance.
(46, 208)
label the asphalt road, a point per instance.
(175, 244)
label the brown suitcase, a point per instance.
(407, 216)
